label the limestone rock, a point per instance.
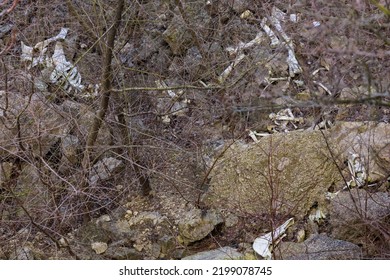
(34, 193)
(370, 140)
(99, 247)
(119, 229)
(195, 226)
(22, 253)
(356, 204)
(293, 171)
(177, 36)
(356, 214)
(41, 126)
(83, 116)
(224, 253)
(122, 253)
(104, 169)
(71, 147)
(319, 247)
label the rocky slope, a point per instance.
(241, 115)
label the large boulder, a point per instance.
(361, 217)
(30, 121)
(319, 247)
(289, 173)
(284, 172)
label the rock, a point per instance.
(103, 219)
(5, 173)
(91, 233)
(122, 253)
(119, 229)
(5, 28)
(231, 220)
(126, 54)
(303, 95)
(224, 253)
(35, 195)
(168, 246)
(146, 218)
(195, 226)
(176, 36)
(82, 115)
(41, 126)
(192, 63)
(155, 250)
(356, 214)
(99, 247)
(370, 140)
(319, 247)
(239, 6)
(300, 237)
(294, 170)
(22, 253)
(357, 204)
(2, 255)
(71, 147)
(104, 169)
(301, 175)
(149, 234)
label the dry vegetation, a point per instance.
(123, 50)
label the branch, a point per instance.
(106, 81)
(10, 9)
(166, 88)
(10, 43)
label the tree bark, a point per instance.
(106, 85)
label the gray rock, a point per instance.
(358, 204)
(224, 253)
(70, 146)
(356, 213)
(192, 62)
(41, 126)
(126, 55)
(168, 245)
(231, 220)
(22, 253)
(319, 247)
(119, 229)
(122, 253)
(82, 115)
(104, 169)
(196, 226)
(91, 232)
(5, 28)
(35, 194)
(368, 139)
(238, 6)
(176, 36)
(2, 255)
